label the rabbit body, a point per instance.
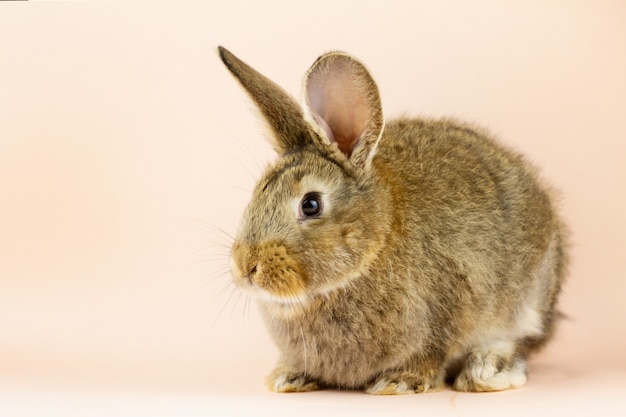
(389, 257)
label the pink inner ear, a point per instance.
(325, 127)
(339, 106)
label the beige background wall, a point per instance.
(127, 154)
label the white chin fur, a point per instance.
(283, 301)
(283, 307)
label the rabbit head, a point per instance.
(315, 220)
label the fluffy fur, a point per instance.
(437, 251)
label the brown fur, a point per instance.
(437, 251)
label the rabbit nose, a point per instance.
(250, 275)
(243, 263)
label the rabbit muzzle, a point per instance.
(267, 270)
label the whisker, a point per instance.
(221, 272)
(215, 245)
(225, 233)
(228, 285)
(315, 352)
(248, 191)
(228, 301)
(236, 303)
(245, 167)
(246, 308)
(222, 258)
(304, 349)
(208, 227)
(252, 155)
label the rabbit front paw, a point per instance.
(404, 382)
(286, 379)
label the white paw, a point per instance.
(482, 374)
(493, 380)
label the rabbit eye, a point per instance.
(311, 205)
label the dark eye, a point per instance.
(311, 205)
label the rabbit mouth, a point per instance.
(269, 272)
(280, 296)
(282, 288)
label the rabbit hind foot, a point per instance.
(491, 369)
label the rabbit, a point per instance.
(393, 256)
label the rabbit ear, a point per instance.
(281, 112)
(344, 100)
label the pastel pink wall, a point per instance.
(125, 147)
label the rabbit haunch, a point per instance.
(431, 251)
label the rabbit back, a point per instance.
(479, 208)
